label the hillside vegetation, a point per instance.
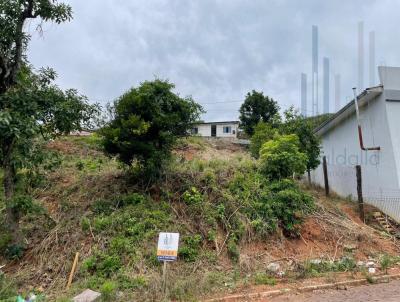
(232, 221)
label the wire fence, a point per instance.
(387, 200)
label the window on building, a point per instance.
(195, 130)
(227, 129)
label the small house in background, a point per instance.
(375, 145)
(227, 129)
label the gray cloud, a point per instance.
(213, 50)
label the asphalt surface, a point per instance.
(384, 292)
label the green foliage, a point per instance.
(108, 206)
(147, 122)
(131, 283)
(263, 133)
(264, 279)
(190, 248)
(271, 204)
(289, 205)
(192, 197)
(385, 262)
(318, 120)
(281, 157)
(102, 264)
(8, 289)
(318, 268)
(13, 41)
(108, 291)
(24, 204)
(34, 111)
(257, 108)
(309, 143)
(233, 249)
(14, 251)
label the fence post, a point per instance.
(359, 193)
(325, 167)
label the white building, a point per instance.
(344, 149)
(217, 129)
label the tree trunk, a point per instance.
(309, 176)
(12, 214)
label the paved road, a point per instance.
(384, 292)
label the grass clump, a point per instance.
(108, 291)
(264, 279)
(190, 249)
(8, 289)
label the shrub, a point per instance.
(233, 249)
(102, 264)
(385, 262)
(108, 291)
(147, 122)
(263, 133)
(190, 249)
(192, 197)
(289, 204)
(281, 157)
(126, 282)
(108, 206)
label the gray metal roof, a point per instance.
(349, 109)
(215, 123)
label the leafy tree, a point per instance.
(34, 110)
(304, 129)
(147, 121)
(281, 157)
(30, 104)
(263, 132)
(257, 108)
(13, 39)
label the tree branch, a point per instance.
(19, 36)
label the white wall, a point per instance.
(380, 121)
(205, 130)
(220, 130)
(342, 149)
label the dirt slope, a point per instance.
(88, 176)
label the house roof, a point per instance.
(348, 110)
(215, 123)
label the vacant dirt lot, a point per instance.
(385, 292)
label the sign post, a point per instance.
(167, 250)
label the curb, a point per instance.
(303, 289)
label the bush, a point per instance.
(289, 204)
(233, 249)
(263, 133)
(147, 122)
(281, 157)
(268, 205)
(108, 291)
(108, 206)
(102, 264)
(190, 249)
(192, 197)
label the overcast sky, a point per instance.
(214, 50)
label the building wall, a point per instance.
(205, 130)
(341, 147)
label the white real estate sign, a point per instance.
(167, 249)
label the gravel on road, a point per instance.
(383, 292)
